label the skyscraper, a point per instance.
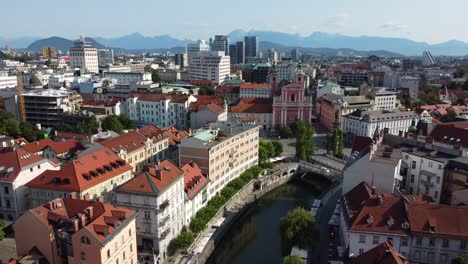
(194, 48)
(295, 55)
(49, 53)
(105, 57)
(181, 60)
(84, 56)
(427, 59)
(237, 53)
(252, 47)
(220, 43)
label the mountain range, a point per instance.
(317, 42)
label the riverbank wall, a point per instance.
(241, 202)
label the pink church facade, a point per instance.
(291, 103)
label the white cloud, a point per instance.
(337, 21)
(394, 26)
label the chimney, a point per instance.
(51, 205)
(192, 164)
(73, 195)
(158, 174)
(82, 220)
(76, 225)
(90, 212)
(101, 199)
(86, 197)
(373, 190)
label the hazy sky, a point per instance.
(424, 20)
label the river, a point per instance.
(255, 237)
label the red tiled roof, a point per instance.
(150, 131)
(194, 179)
(174, 135)
(441, 132)
(254, 85)
(82, 173)
(439, 220)
(70, 135)
(154, 180)
(214, 108)
(38, 146)
(130, 141)
(100, 222)
(150, 96)
(378, 213)
(201, 82)
(381, 254)
(361, 143)
(355, 199)
(70, 145)
(227, 89)
(205, 100)
(13, 162)
(253, 105)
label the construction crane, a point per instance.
(22, 109)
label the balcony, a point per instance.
(163, 221)
(427, 183)
(164, 234)
(164, 205)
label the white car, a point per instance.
(325, 170)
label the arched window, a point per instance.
(293, 97)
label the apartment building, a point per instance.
(67, 230)
(127, 78)
(203, 114)
(7, 81)
(84, 56)
(194, 48)
(88, 177)
(367, 123)
(255, 90)
(158, 194)
(223, 151)
(16, 169)
(384, 99)
(214, 66)
(258, 109)
(454, 191)
(46, 107)
(196, 190)
(138, 149)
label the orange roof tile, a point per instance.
(175, 135)
(70, 145)
(253, 105)
(194, 180)
(38, 146)
(255, 85)
(82, 173)
(13, 162)
(381, 254)
(70, 135)
(227, 89)
(154, 180)
(130, 141)
(100, 222)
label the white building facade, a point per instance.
(84, 57)
(214, 66)
(365, 123)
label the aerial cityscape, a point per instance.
(241, 132)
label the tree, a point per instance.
(126, 122)
(155, 76)
(30, 132)
(217, 201)
(294, 259)
(236, 184)
(460, 260)
(297, 228)
(284, 131)
(112, 123)
(184, 240)
(330, 143)
(207, 212)
(228, 192)
(197, 225)
(8, 124)
(2, 233)
(278, 148)
(340, 143)
(305, 140)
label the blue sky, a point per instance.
(423, 20)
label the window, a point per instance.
(430, 164)
(404, 242)
(418, 241)
(375, 240)
(7, 191)
(361, 251)
(427, 191)
(362, 238)
(440, 166)
(432, 242)
(411, 190)
(462, 244)
(30, 169)
(147, 215)
(108, 253)
(417, 254)
(123, 255)
(446, 243)
(436, 194)
(412, 178)
(131, 248)
(117, 261)
(83, 256)
(438, 179)
(413, 165)
(8, 204)
(443, 258)
(430, 256)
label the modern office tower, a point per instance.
(105, 57)
(252, 47)
(295, 55)
(213, 65)
(427, 59)
(272, 55)
(49, 53)
(194, 48)
(220, 43)
(84, 56)
(7, 49)
(237, 53)
(181, 60)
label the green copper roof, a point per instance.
(204, 135)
